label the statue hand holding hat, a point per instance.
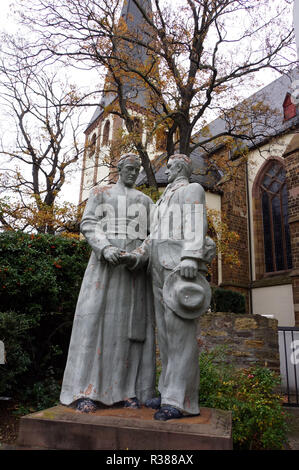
(188, 268)
(187, 296)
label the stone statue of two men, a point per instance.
(147, 268)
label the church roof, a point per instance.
(272, 95)
(135, 21)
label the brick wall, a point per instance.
(234, 207)
(292, 169)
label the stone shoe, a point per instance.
(131, 403)
(154, 403)
(168, 412)
(86, 405)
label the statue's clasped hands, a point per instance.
(116, 256)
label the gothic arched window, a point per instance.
(106, 133)
(274, 202)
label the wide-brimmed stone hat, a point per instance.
(188, 298)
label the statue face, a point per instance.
(173, 170)
(128, 174)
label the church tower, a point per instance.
(105, 127)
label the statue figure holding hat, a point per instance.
(111, 356)
(178, 250)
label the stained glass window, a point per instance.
(277, 243)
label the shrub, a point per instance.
(40, 273)
(224, 300)
(258, 419)
(40, 278)
(14, 330)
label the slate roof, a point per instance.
(273, 96)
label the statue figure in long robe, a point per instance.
(111, 356)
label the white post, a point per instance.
(295, 83)
(2, 353)
(296, 24)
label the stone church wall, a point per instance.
(249, 339)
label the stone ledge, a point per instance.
(293, 219)
(238, 285)
(63, 428)
(272, 281)
(293, 146)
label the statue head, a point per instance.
(128, 168)
(178, 165)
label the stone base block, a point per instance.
(64, 428)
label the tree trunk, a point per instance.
(146, 163)
(170, 144)
(184, 138)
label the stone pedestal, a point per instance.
(64, 428)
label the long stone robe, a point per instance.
(111, 354)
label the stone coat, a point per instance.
(179, 379)
(111, 354)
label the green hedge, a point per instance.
(40, 274)
(224, 300)
(40, 278)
